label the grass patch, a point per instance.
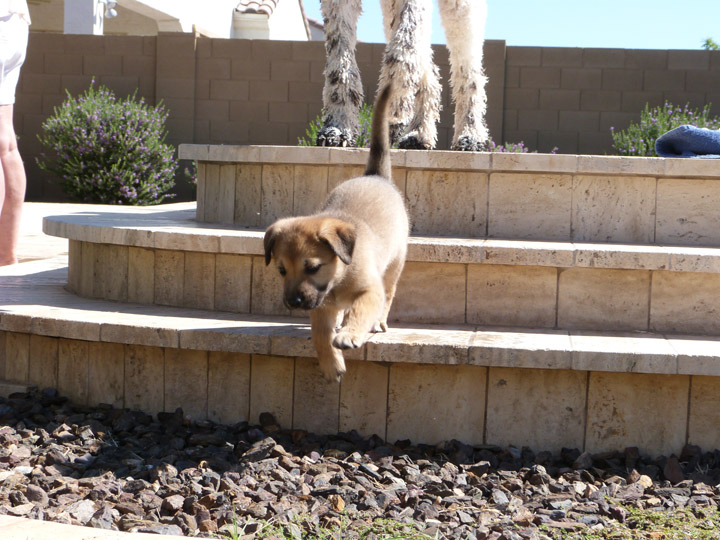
(683, 524)
(346, 527)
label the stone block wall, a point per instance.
(266, 92)
(596, 411)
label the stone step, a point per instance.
(7, 388)
(16, 528)
(161, 255)
(490, 195)
(542, 388)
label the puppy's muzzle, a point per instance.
(300, 301)
(295, 301)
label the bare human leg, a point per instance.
(12, 188)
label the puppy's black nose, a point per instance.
(294, 301)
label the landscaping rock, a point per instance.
(123, 470)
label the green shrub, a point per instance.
(311, 132)
(110, 151)
(710, 45)
(639, 139)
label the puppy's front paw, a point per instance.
(348, 340)
(333, 369)
(380, 326)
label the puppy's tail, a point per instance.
(379, 160)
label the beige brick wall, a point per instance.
(266, 92)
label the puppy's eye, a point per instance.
(310, 270)
(282, 271)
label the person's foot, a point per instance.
(8, 261)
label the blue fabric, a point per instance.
(690, 142)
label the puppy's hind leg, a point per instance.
(360, 319)
(323, 321)
(390, 280)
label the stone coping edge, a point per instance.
(177, 231)
(442, 159)
(7, 388)
(16, 528)
(49, 310)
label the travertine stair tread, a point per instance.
(7, 388)
(34, 301)
(16, 528)
(173, 227)
(444, 160)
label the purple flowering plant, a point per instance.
(639, 138)
(108, 150)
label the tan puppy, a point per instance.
(347, 258)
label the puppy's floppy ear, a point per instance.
(340, 236)
(271, 235)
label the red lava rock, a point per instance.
(208, 526)
(618, 513)
(117, 469)
(37, 495)
(172, 504)
(672, 471)
(633, 477)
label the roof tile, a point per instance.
(257, 6)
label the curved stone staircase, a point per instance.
(548, 301)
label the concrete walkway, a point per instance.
(34, 244)
(36, 250)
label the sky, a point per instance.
(628, 24)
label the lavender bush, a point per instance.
(110, 151)
(639, 139)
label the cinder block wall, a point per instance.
(58, 63)
(266, 92)
(571, 97)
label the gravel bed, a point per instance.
(125, 470)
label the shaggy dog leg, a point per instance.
(421, 134)
(464, 23)
(342, 93)
(407, 63)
